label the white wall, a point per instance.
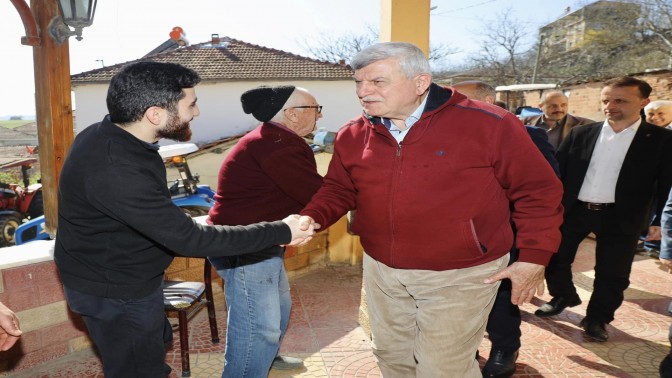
(221, 113)
(90, 104)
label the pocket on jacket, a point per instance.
(473, 246)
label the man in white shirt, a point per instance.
(610, 171)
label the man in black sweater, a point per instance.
(118, 228)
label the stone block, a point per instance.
(317, 256)
(21, 299)
(80, 343)
(297, 262)
(43, 316)
(31, 275)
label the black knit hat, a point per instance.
(265, 102)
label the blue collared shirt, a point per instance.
(399, 134)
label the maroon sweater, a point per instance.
(440, 199)
(269, 174)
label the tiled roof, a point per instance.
(234, 60)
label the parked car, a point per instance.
(527, 111)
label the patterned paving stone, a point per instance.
(351, 364)
(324, 332)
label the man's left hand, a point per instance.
(527, 280)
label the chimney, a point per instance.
(215, 39)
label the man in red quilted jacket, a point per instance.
(431, 175)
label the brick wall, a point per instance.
(661, 83)
(34, 292)
(584, 98)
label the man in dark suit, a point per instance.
(504, 321)
(556, 120)
(611, 172)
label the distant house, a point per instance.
(571, 30)
(228, 67)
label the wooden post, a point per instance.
(53, 107)
(405, 21)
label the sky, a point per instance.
(125, 30)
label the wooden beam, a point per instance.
(32, 37)
(405, 21)
(53, 107)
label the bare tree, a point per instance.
(341, 48)
(338, 48)
(601, 39)
(656, 18)
(505, 49)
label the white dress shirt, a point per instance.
(599, 185)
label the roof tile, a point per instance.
(233, 60)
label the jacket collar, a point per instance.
(111, 129)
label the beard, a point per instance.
(176, 129)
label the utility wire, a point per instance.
(463, 8)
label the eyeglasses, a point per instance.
(318, 107)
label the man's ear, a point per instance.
(422, 83)
(290, 114)
(155, 115)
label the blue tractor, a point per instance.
(195, 199)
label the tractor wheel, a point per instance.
(8, 225)
(195, 211)
(36, 207)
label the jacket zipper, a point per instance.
(397, 173)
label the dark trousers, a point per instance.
(504, 320)
(614, 253)
(130, 335)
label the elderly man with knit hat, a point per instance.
(270, 172)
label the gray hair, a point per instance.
(653, 105)
(410, 58)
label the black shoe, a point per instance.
(665, 368)
(556, 305)
(594, 329)
(500, 364)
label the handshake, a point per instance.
(302, 227)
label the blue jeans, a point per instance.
(258, 304)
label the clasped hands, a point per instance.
(302, 228)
